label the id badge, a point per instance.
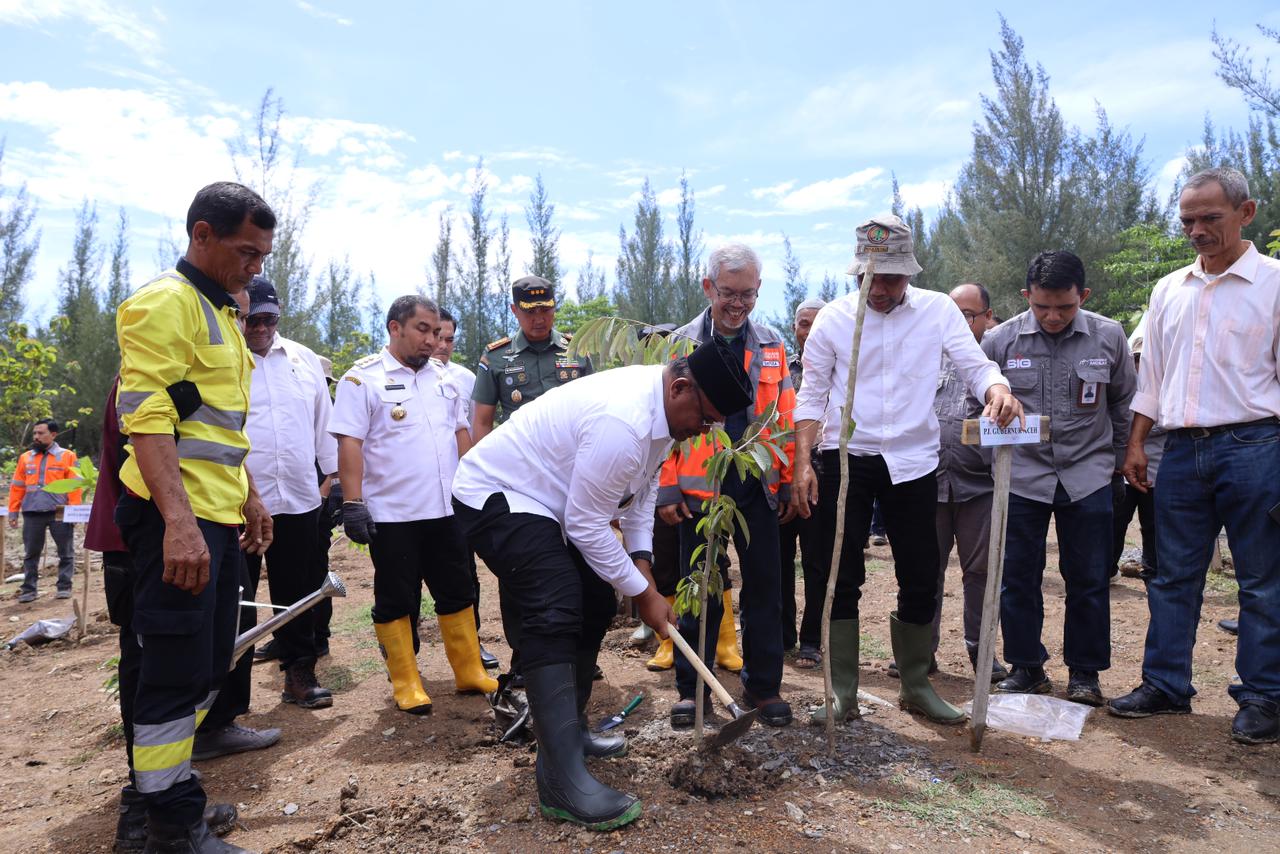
(1088, 393)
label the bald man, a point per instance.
(964, 485)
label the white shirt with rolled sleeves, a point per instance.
(288, 427)
(1211, 353)
(897, 377)
(409, 462)
(585, 454)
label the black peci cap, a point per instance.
(721, 377)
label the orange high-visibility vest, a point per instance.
(765, 360)
(27, 494)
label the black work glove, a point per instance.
(357, 523)
(331, 510)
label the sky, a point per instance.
(788, 119)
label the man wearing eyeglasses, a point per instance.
(732, 286)
(289, 408)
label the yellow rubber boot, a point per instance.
(727, 644)
(462, 646)
(396, 640)
(664, 658)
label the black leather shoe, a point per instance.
(773, 712)
(488, 659)
(999, 672)
(1025, 680)
(1257, 722)
(1144, 701)
(131, 826)
(267, 652)
(301, 687)
(1083, 687)
(1231, 627)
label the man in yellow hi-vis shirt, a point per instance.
(183, 400)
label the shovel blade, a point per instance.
(734, 729)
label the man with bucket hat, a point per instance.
(536, 501)
(893, 449)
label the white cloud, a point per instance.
(119, 24)
(322, 13)
(831, 194)
(777, 190)
(924, 194)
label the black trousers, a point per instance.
(293, 571)
(323, 612)
(117, 583)
(815, 574)
(186, 645)
(910, 520)
(758, 602)
(666, 556)
(560, 608)
(237, 691)
(407, 554)
(1126, 501)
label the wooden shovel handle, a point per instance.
(699, 665)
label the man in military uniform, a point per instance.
(516, 369)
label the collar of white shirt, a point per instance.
(1245, 267)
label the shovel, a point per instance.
(741, 722)
(616, 720)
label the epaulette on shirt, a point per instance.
(501, 342)
(367, 360)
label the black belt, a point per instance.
(1203, 432)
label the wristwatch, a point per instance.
(643, 556)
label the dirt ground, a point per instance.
(362, 776)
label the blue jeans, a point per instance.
(1226, 479)
(1084, 559)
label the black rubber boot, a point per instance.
(595, 744)
(566, 789)
(193, 839)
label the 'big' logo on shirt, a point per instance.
(1018, 363)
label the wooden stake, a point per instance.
(847, 425)
(1001, 470)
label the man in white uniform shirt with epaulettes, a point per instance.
(401, 428)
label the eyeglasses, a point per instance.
(739, 297)
(971, 316)
(267, 320)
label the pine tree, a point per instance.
(340, 310)
(795, 290)
(830, 288)
(263, 163)
(690, 299)
(438, 272)
(544, 237)
(18, 247)
(592, 282)
(644, 287)
(479, 301)
(84, 335)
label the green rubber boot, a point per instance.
(913, 649)
(844, 672)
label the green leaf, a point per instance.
(742, 525)
(64, 486)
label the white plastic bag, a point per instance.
(1035, 715)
